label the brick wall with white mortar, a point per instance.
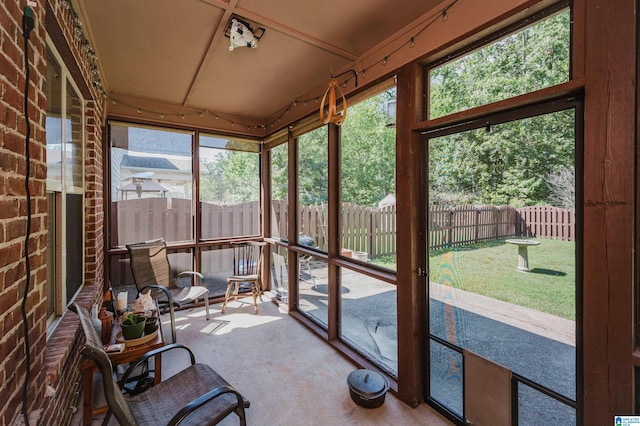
(54, 360)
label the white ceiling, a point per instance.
(174, 52)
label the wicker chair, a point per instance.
(247, 265)
(196, 395)
(150, 268)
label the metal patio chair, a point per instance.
(196, 395)
(247, 266)
(150, 267)
(305, 260)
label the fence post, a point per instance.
(518, 221)
(477, 226)
(450, 229)
(370, 233)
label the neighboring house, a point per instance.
(169, 178)
(389, 200)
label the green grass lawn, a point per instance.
(489, 269)
(386, 261)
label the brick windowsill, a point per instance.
(59, 346)
(64, 338)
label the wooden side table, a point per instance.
(130, 354)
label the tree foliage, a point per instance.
(368, 149)
(531, 59)
(313, 171)
(507, 163)
(280, 172)
(562, 187)
(229, 177)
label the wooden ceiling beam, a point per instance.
(222, 4)
(306, 38)
(218, 33)
(230, 8)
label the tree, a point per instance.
(562, 185)
(367, 151)
(313, 171)
(230, 177)
(280, 172)
(506, 163)
(368, 147)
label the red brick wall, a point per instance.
(94, 210)
(13, 209)
(54, 361)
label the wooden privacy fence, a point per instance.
(468, 224)
(148, 218)
(367, 229)
(547, 222)
(144, 219)
(220, 221)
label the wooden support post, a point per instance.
(411, 218)
(605, 35)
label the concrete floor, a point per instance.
(536, 345)
(282, 367)
(290, 375)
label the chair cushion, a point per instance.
(181, 295)
(184, 295)
(160, 403)
(241, 278)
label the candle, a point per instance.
(121, 303)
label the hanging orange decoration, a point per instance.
(332, 115)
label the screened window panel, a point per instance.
(534, 58)
(151, 184)
(229, 187)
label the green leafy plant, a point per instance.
(131, 318)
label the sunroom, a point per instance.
(445, 189)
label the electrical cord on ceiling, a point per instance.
(27, 26)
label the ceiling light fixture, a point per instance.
(242, 34)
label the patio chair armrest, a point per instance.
(170, 304)
(209, 396)
(146, 356)
(199, 277)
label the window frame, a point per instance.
(563, 96)
(58, 194)
(243, 143)
(269, 146)
(487, 40)
(116, 255)
(109, 146)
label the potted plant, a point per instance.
(151, 323)
(132, 326)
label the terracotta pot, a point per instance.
(106, 318)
